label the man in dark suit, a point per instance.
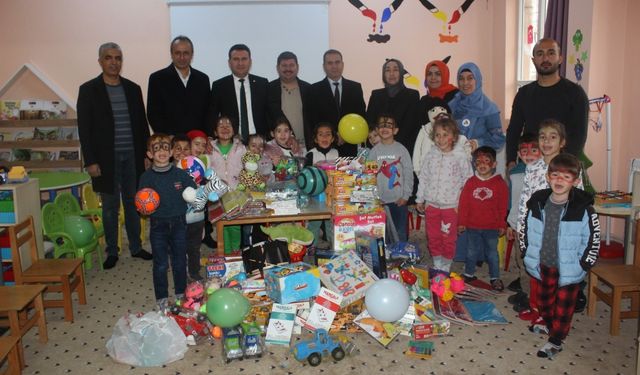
(334, 97)
(113, 134)
(241, 95)
(286, 97)
(178, 96)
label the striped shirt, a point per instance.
(123, 140)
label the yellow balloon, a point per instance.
(353, 128)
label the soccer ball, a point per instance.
(147, 201)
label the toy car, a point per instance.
(313, 350)
(232, 344)
(253, 341)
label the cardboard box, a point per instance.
(292, 282)
(324, 310)
(347, 275)
(280, 326)
(345, 228)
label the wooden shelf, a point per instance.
(74, 143)
(45, 164)
(17, 124)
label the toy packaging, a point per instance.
(419, 349)
(292, 282)
(280, 326)
(436, 328)
(302, 313)
(347, 275)
(383, 332)
(371, 250)
(405, 324)
(345, 227)
(224, 267)
(324, 310)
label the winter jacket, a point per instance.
(442, 177)
(228, 167)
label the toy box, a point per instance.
(292, 282)
(280, 326)
(224, 267)
(347, 275)
(324, 310)
(371, 250)
(345, 228)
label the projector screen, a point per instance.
(267, 27)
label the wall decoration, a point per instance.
(442, 16)
(378, 37)
(578, 58)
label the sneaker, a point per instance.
(549, 350)
(469, 279)
(497, 285)
(519, 297)
(581, 302)
(529, 314)
(143, 254)
(196, 277)
(521, 306)
(162, 304)
(110, 262)
(515, 286)
(180, 297)
(539, 327)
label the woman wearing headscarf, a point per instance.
(477, 116)
(394, 99)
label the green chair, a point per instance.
(71, 235)
(69, 205)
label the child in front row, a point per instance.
(284, 143)
(442, 176)
(324, 137)
(168, 227)
(481, 214)
(561, 242)
(395, 176)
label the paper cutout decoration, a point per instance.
(378, 37)
(442, 16)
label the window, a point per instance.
(531, 17)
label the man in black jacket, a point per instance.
(286, 97)
(178, 95)
(241, 96)
(113, 134)
(334, 97)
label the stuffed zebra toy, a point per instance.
(211, 191)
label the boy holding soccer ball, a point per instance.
(168, 226)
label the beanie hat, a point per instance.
(195, 133)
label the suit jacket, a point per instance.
(96, 129)
(224, 101)
(274, 99)
(401, 106)
(322, 107)
(173, 108)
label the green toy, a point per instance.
(291, 233)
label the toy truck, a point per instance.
(232, 344)
(253, 341)
(313, 350)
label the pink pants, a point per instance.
(442, 231)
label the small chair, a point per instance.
(53, 223)
(69, 205)
(624, 282)
(9, 350)
(60, 275)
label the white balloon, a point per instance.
(387, 300)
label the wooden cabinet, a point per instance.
(62, 148)
(17, 202)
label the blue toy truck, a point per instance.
(313, 350)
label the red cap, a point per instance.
(195, 133)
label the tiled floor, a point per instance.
(80, 347)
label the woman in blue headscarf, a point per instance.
(477, 116)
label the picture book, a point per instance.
(453, 310)
(383, 332)
(348, 276)
(324, 310)
(280, 326)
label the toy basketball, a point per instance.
(147, 201)
(193, 166)
(312, 181)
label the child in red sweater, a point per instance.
(482, 214)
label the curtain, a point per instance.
(556, 26)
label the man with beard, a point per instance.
(549, 97)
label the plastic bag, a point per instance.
(153, 339)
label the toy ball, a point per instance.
(80, 229)
(193, 166)
(227, 307)
(387, 300)
(147, 201)
(312, 181)
(353, 128)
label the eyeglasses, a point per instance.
(165, 146)
(386, 125)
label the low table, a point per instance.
(314, 211)
(15, 301)
(52, 182)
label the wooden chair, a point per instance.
(623, 281)
(9, 351)
(59, 275)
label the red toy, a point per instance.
(194, 295)
(147, 201)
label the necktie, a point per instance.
(336, 94)
(244, 115)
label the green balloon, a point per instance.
(227, 307)
(80, 229)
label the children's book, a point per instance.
(324, 310)
(348, 276)
(453, 310)
(280, 326)
(383, 332)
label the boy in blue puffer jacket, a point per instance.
(560, 242)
